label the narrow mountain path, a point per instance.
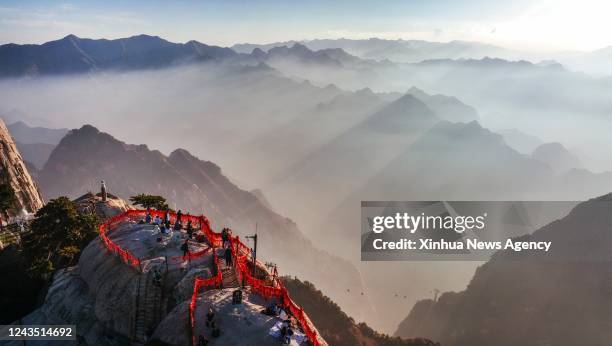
(230, 279)
(149, 304)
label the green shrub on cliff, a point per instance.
(59, 233)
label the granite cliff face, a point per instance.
(15, 174)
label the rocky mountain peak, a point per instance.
(104, 208)
(556, 156)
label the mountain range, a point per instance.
(544, 87)
(86, 156)
(412, 51)
(26, 134)
(460, 161)
(318, 129)
(72, 54)
(450, 161)
(557, 157)
(447, 161)
(532, 299)
(341, 164)
(403, 51)
(35, 143)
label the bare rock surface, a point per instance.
(104, 296)
(240, 324)
(15, 173)
(90, 203)
(113, 303)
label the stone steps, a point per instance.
(149, 307)
(230, 280)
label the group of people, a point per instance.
(166, 226)
(287, 327)
(286, 331)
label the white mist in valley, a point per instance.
(316, 150)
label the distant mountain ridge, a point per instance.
(301, 52)
(285, 57)
(447, 161)
(402, 51)
(346, 161)
(459, 159)
(557, 157)
(72, 54)
(27, 134)
(35, 143)
(446, 107)
(413, 51)
(35, 153)
(520, 141)
(13, 116)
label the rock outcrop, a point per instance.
(93, 203)
(115, 303)
(109, 301)
(15, 174)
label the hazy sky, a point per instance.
(534, 24)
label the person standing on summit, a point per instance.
(103, 190)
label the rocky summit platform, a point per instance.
(239, 324)
(147, 243)
(114, 302)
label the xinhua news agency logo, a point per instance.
(464, 230)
